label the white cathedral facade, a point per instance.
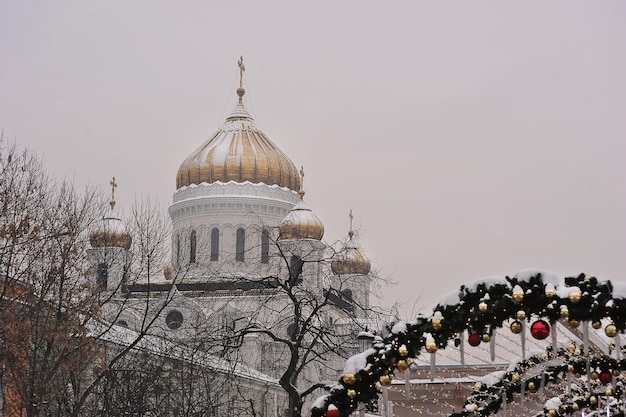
(241, 234)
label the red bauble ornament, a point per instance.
(540, 329)
(332, 411)
(474, 339)
(606, 377)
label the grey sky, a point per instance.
(470, 138)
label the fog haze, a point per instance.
(469, 138)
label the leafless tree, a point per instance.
(52, 334)
(304, 317)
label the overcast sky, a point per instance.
(470, 138)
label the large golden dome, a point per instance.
(238, 152)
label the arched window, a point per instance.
(241, 245)
(215, 244)
(192, 247)
(265, 246)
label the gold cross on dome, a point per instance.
(113, 187)
(242, 69)
(350, 232)
(301, 192)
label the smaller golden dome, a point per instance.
(350, 261)
(301, 223)
(110, 233)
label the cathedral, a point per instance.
(247, 255)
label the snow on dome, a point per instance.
(238, 152)
(110, 232)
(350, 261)
(301, 223)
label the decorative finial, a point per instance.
(113, 187)
(350, 232)
(242, 68)
(301, 192)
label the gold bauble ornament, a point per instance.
(403, 351)
(521, 315)
(571, 348)
(518, 294)
(574, 296)
(596, 324)
(351, 394)
(576, 375)
(516, 327)
(552, 413)
(573, 323)
(486, 337)
(570, 367)
(564, 312)
(349, 378)
(616, 372)
(594, 376)
(545, 356)
(402, 365)
(515, 377)
(610, 330)
(531, 386)
(436, 324)
(483, 307)
(608, 392)
(577, 352)
(385, 380)
(550, 291)
(593, 399)
(431, 346)
(575, 407)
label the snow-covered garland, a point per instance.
(607, 384)
(478, 308)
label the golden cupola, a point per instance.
(110, 233)
(301, 222)
(350, 261)
(238, 152)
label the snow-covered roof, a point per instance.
(170, 349)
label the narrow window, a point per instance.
(265, 246)
(177, 249)
(192, 247)
(241, 245)
(295, 270)
(102, 276)
(215, 244)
